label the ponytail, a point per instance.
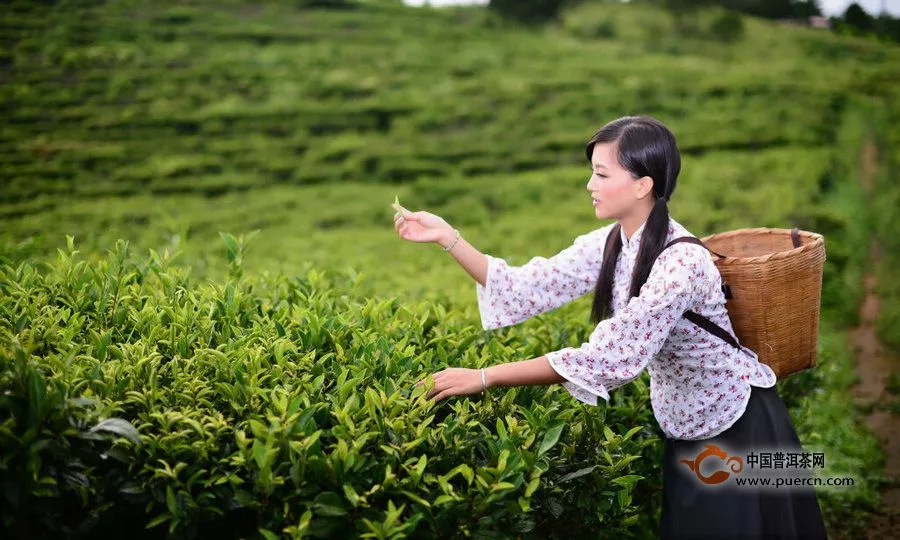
(653, 240)
(603, 290)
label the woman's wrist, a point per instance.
(447, 238)
(487, 377)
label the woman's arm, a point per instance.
(473, 261)
(619, 348)
(523, 372)
(460, 381)
(513, 294)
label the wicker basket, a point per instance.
(776, 291)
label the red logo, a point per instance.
(735, 463)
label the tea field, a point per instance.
(209, 327)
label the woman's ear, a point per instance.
(644, 185)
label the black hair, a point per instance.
(644, 147)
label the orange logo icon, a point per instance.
(735, 463)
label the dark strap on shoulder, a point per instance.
(704, 322)
(695, 317)
(795, 239)
(694, 240)
(726, 289)
(711, 327)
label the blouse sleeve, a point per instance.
(620, 347)
(512, 294)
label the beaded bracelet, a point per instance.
(454, 241)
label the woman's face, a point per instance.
(615, 191)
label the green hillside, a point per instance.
(165, 123)
(314, 119)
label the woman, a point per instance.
(703, 390)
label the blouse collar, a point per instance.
(634, 242)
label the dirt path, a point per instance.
(873, 366)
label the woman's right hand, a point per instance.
(420, 226)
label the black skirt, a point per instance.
(713, 507)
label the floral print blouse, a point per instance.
(699, 384)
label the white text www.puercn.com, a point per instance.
(790, 482)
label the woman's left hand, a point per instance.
(454, 382)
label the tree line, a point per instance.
(854, 21)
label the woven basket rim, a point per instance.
(817, 244)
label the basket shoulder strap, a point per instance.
(795, 240)
(726, 289)
(704, 322)
(693, 240)
(712, 328)
(695, 317)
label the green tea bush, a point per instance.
(138, 401)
